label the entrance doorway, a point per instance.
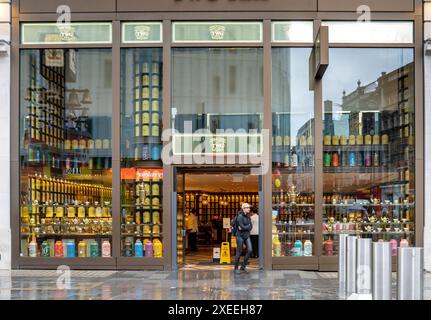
(206, 201)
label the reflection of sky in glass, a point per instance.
(370, 32)
(348, 66)
(291, 87)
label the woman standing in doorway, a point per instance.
(254, 233)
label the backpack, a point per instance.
(234, 226)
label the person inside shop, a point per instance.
(254, 233)
(192, 230)
(242, 224)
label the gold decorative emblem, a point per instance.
(142, 32)
(67, 33)
(217, 32)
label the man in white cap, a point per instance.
(244, 226)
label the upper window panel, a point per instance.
(142, 32)
(292, 31)
(217, 32)
(370, 32)
(72, 33)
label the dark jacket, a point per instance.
(244, 225)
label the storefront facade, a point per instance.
(341, 151)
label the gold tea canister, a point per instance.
(105, 143)
(145, 93)
(359, 139)
(145, 80)
(82, 144)
(90, 144)
(368, 139)
(155, 202)
(156, 229)
(352, 140)
(155, 80)
(59, 212)
(155, 93)
(155, 189)
(146, 105)
(155, 105)
(67, 144)
(286, 141)
(156, 217)
(376, 139)
(145, 130)
(81, 212)
(343, 140)
(98, 144)
(147, 229)
(335, 140)
(147, 218)
(146, 118)
(385, 139)
(155, 130)
(155, 119)
(75, 144)
(327, 140)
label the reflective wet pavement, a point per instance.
(184, 284)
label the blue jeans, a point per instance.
(240, 241)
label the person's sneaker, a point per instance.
(243, 269)
(237, 271)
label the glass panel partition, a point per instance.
(217, 89)
(368, 159)
(141, 146)
(292, 154)
(66, 153)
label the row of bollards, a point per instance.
(365, 268)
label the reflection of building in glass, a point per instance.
(384, 106)
(217, 88)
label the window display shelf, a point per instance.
(140, 207)
(356, 169)
(370, 205)
(293, 225)
(294, 233)
(356, 148)
(143, 235)
(146, 140)
(369, 233)
(293, 205)
(44, 235)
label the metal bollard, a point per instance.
(382, 271)
(410, 274)
(351, 265)
(342, 263)
(363, 266)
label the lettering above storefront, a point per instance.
(217, 5)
